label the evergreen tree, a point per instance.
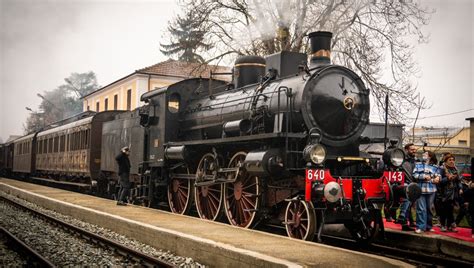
(187, 38)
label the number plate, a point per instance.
(395, 176)
(315, 174)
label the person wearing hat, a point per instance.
(124, 174)
(450, 187)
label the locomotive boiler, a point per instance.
(279, 145)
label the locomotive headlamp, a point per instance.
(314, 153)
(394, 157)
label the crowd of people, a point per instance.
(443, 189)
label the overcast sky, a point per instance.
(42, 42)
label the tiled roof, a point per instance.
(178, 69)
(185, 69)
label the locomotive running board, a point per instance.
(182, 176)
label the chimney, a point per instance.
(320, 48)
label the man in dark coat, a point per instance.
(124, 173)
(408, 167)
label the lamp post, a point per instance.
(48, 101)
(61, 111)
(39, 118)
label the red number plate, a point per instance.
(315, 174)
(395, 176)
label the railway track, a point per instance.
(32, 257)
(416, 258)
(139, 257)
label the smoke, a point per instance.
(27, 33)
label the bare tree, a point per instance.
(369, 37)
(420, 105)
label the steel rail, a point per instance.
(32, 257)
(141, 258)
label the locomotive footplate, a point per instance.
(182, 176)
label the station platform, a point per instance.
(211, 243)
(457, 245)
(463, 234)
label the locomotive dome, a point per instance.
(248, 70)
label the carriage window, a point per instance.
(73, 136)
(50, 145)
(81, 144)
(55, 146)
(173, 103)
(76, 140)
(62, 144)
(83, 139)
(87, 138)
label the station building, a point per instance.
(124, 94)
(443, 140)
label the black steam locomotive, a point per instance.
(280, 145)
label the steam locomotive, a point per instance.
(280, 145)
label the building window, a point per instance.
(88, 108)
(463, 142)
(106, 104)
(129, 99)
(97, 106)
(115, 102)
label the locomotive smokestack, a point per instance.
(320, 48)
